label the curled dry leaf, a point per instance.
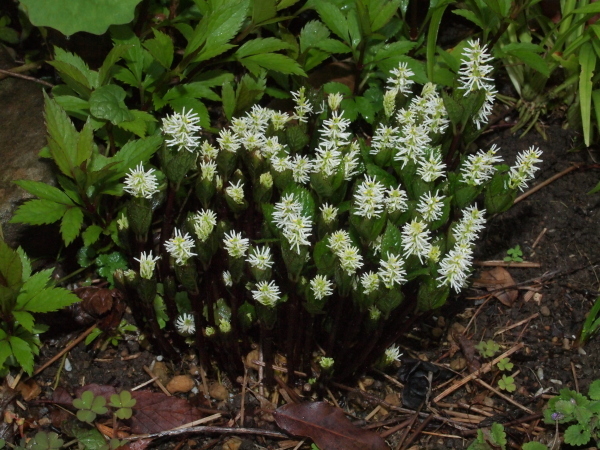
(327, 426)
(495, 280)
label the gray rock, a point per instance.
(22, 136)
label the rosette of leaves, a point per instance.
(23, 294)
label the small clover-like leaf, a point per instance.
(505, 364)
(594, 392)
(577, 435)
(85, 415)
(507, 384)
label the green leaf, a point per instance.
(5, 349)
(261, 45)
(335, 20)
(392, 240)
(194, 90)
(71, 224)
(469, 15)
(91, 77)
(39, 212)
(273, 61)
(62, 136)
(366, 109)
(115, 54)
(187, 103)
(498, 435)
(228, 97)
(45, 191)
(430, 295)
(36, 297)
(23, 353)
(534, 446)
(11, 268)
(71, 16)
(384, 14)
(24, 319)
(135, 152)
(577, 435)
(263, 10)
(25, 263)
(594, 392)
(533, 60)
(108, 103)
(91, 235)
(333, 46)
(73, 77)
(587, 60)
(312, 33)
(161, 48)
(72, 103)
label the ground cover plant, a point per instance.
(312, 227)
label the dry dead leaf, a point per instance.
(495, 280)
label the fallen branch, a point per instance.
(9, 73)
(516, 265)
(546, 183)
(209, 430)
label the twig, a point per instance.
(546, 183)
(67, 349)
(278, 368)
(505, 397)
(514, 325)
(157, 381)
(243, 405)
(484, 369)
(26, 77)
(574, 377)
(209, 430)
(516, 265)
(145, 383)
(418, 431)
(199, 421)
(540, 236)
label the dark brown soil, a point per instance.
(567, 283)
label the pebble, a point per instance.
(566, 344)
(458, 364)
(160, 370)
(545, 311)
(437, 332)
(218, 391)
(180, 383)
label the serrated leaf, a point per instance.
(108, 103)
(366, 109)
(195, 90)
(23, 353)
(577, 435)
(5, 349)
(533, 60)
(594, 392)
(333, 46)
(77, 62)
(73, 77)
(469, 15)
(274, 61)
(391, 242)
(115, 54)
(11, 268)
(312, 33)
(85, 144)
(335, 20)
(36, 297)
(161, 48)
(181, 103)
(135, 152)
(45, 191)
(498, 434)
(62, 136)
(71, 224)
(91, 235)
(228, 98)
(71, 103)
(431, 296)
(261, 45)
(39, 212)
(25, 264)
(263, 10)
(24, 319)
(382, 16)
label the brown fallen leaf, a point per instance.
(327, 426)
(496, 279)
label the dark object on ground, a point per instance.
(418, 377)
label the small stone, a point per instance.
(367, 381)
(458, 364)
(393, 399)
(252, 356)
(160, 370)
(566, 344)
(437, 332)
(545, 311)
(218, 391)
(180, 383)
(233, 443)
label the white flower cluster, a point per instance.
(474, 76)
(295, 227)
(479, 168)
(181, 127)
(349, 255)
(204, 223)
(147, 264)
(523, 171)
(141, 184)
(180, 247)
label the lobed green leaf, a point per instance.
(39, 212)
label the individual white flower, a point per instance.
(338, 240)
(303, 106)
(122, 222)
(281, 163)
(208, 170)
(406, 117)
(260, 258)
(224, 326)
(401, 78)
(468, 228)
(181, 129)
(228, 141)
(185, 324)
(258, 119)
(302, 167)
(523, 171)
(389, 102)
(396, 200)
(430, 206)
(208, 152)
(266, 180)
(218, 182)
(329, 213)
(279, 119)
(204, 222)
(334, 128)
(350, 161)
(235, 245)
(486, 109)
(297, 229)
(140, 183)
(479, 167)
(391, 354)
(236, 192)
(385, 138)
(252, 141)
(350, 259)
(369, 198)
(284, 209)
(227, 280)
(271, 147)
(455, 266)
(326, 363)
(415, 239)
(327, 160)
(437, 116)
(334, 101)
(180, 247)
(266, 294)
(431, 166)
(374, 313)
(321, 287)
(369, 281)
(147, 264)
(392, 271)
